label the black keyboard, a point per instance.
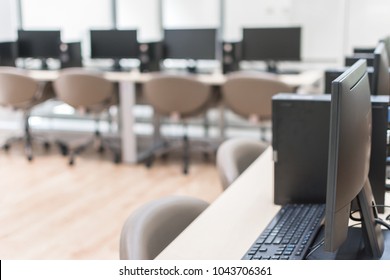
(290, 234)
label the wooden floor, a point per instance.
(49, 210)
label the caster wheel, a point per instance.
(101, 150)
(29, 158)
(64, 150)
(6, 147)
(46, 146)
(117, 159)
(149, 162)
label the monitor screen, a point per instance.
(380, 78)
(272, 44)
(114, 44)
(190, 43)
(349, 162)
(39, 43)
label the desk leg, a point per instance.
(126, 104)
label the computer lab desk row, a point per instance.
(230, 225)
(127, 94)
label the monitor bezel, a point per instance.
(337, 217)
(133, 52)
(53, 35)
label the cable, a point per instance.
(315, 247)
(353, 218)
(383, 223)
(359, 219)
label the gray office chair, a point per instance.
(154, 225)
(235, 155)
(20, 92)
(89, 92)
(179, 97)
(249, 95)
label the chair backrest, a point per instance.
(154, 225)
(183, 95)
(79, 87)
(250, 94)
(17, 90)
(234, 156)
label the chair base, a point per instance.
(103, 145)
(163, 147)
(28, 141)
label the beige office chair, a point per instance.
(20, 92)
(235, 155)
(89, 92)
(178, 97)
(249, 94)
(154, 225)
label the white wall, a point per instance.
(254, 13)
(191, 13)
(8, 20)
(142, 15)
(323, 29)
(367, 21)
(73, 17)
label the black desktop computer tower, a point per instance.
(8, 53)
(300, 126)
(150, 56)
(231, 56)
(331, 74)
(70, 55)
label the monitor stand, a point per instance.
(116, 67)
(272, 66)
(352, 249)
(44, 65)
(192, 66)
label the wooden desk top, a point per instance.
(229, 226)
(303, 79)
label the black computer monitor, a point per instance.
(351, 59)
(272, 45)
(39, 43)
(349, 162)
(380, 78)
(114, 44)
(8, 53)
(190, 44)
(366, 50)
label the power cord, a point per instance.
(315, 247)
(383, 223)
(359, 219)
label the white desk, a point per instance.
(127, 81)
(230, 225)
